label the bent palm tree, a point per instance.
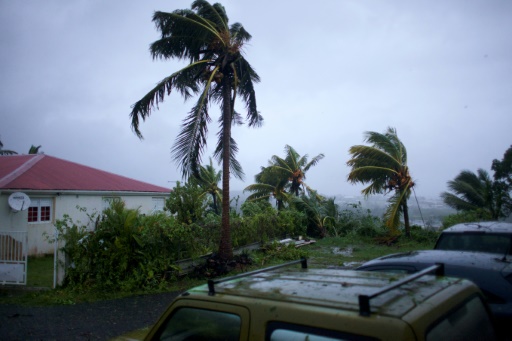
(217, 73)
(269, 185)
(283, 177)
(476, 192)
(384, 166)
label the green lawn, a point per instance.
(40, 271)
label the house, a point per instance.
(56, 187)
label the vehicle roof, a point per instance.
(480, 260)
(483, 227)
(331, 288)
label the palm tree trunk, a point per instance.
(225, 247)
(406, 219)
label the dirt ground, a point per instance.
(85, 321)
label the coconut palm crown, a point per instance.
(217, 73)
(283, 178)
(383, 166)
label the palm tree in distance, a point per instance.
(34, 150)
(383, 165)
(269, 185)
(208, 180)
(283, 177)
(476, 192)
(217, 73)
(294, 167)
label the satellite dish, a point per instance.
(18, 201)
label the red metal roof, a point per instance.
(44, 172)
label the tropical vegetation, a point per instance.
(217, 73)
(383, 165)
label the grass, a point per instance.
(40, 271)
(351, 251)
(325, 252)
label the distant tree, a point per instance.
(383, 165)
(217, 73)
(6, 151)
(293, 167)
(477, 192)
(283, 177)
(34, 150)
(208, 180)
(268, 185)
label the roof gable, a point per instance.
(43, 172)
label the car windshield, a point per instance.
(480, 242)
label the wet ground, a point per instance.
(85, 321)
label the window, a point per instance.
(201, 324)
(468, 322)
(40, 210)
(281, 331)
(158, 204)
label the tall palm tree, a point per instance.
(217, 73)
(6, 151)
(476, 192)
(208, 180)
(383, 165)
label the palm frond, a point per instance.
(179, 80)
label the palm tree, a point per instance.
(283, 177)
(217, 73)
(6, 151)
(269, 185)
(208, 180)
(476, 192)
(383, 165)
(34, 150)
(294, 168)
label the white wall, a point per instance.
(64, 204)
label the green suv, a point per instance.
(288, 302)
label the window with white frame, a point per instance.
(158, 204)
(40, 210)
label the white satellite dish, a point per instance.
(19, 201)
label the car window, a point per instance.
(469, 321)
(480, 242)
(200, 324)
(280, 331)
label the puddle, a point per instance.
(344, 252)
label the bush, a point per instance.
(355, 221)
(127, 249)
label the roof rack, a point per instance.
(212, 282)
(364, 300)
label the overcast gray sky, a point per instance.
(440, 72)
